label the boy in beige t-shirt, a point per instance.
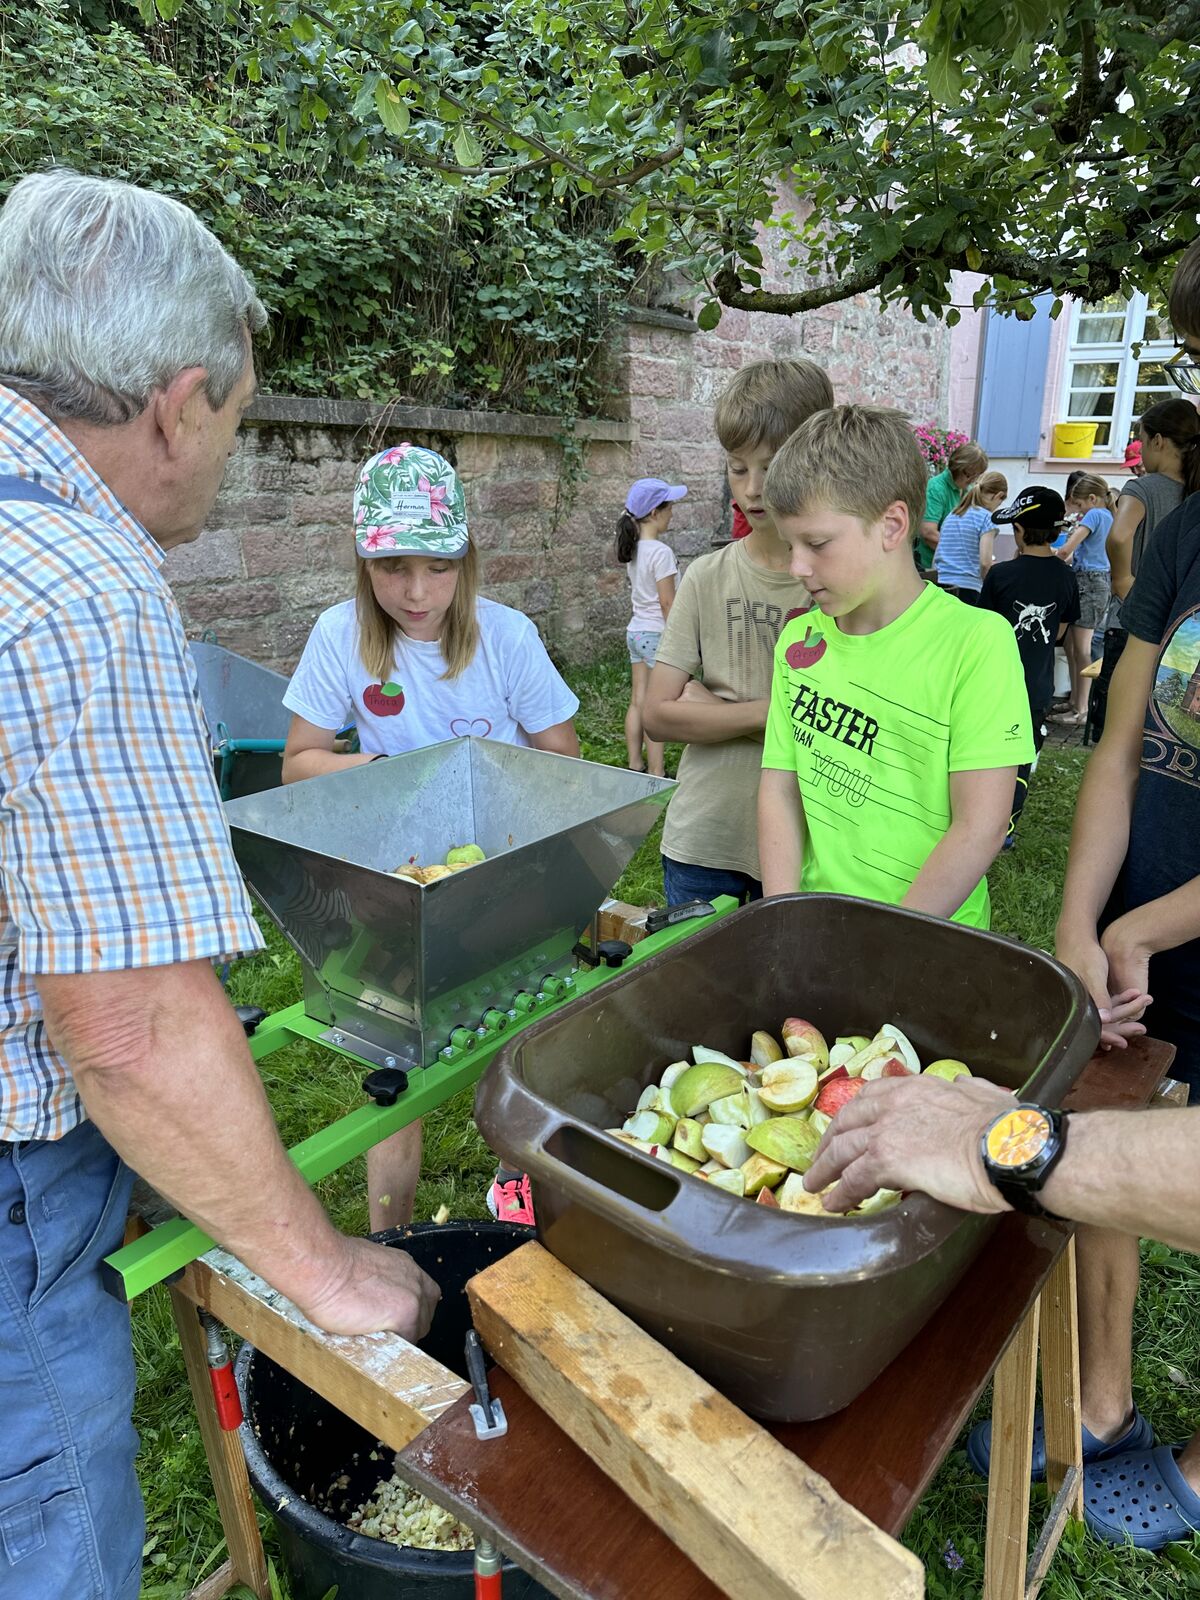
(722, 628)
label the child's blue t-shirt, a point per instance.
(957, 554)
(1091, 556)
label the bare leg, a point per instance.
(1081, 656)
(1189, 1462)
(654, 752)
(393, 1167)
(633, 717)
(1108, 1283)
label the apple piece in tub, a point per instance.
(758, 1111)
(948, 1069)
(695, 1090)
(711, 1166)
(762, 1173)
(764, 1049)
(833, 1072)
(788, 1085)
(726, 1145)
(731, 1112)
(835, 1094)
(701, 1053)
(879, 1201)
(818, 1121)
(793, 1196)
(733, 1182)
(673, 1072)
(652, 1098)
(766, 1197)
(663, 1153)
(651, 1126)
(846, 1047)
(684, 1163)
(791, 1141)
(806, 1041)
(892, 1066)
(628, 1138)
(687, 1139)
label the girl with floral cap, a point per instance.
(417, 657)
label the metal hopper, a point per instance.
(396, 967)
(246, 717)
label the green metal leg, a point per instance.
(168, 1248)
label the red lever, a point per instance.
(489, 1573)
(226, 1399)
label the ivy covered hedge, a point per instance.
(383, 280)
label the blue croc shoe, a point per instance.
(1138, 1436)
(1142, 1496)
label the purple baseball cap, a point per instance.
(647, 494)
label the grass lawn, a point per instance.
(308, 1088)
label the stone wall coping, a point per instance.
(658, 318)
(321, 412)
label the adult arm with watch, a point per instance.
(1126, 1170)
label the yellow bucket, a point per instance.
(1075, 440)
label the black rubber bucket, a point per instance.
(311, 1465)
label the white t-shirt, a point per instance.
(510, 690)
(651, 561)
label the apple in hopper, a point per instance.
(888, 1043)
(788, 1085)
(694, 1090)
(835, 1093)
(806, 1041)
(884, 1067)
(764, 1050)
(948, 1070)
(789, 1141)
(464, 855)
(687, 1140)
(846, 1047)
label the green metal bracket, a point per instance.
(169, 1248)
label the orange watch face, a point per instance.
(1018, 1137)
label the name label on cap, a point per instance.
(411, 505)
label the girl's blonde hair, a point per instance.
(377, 632)
(990, 483)
(1090, 484)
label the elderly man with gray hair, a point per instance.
(125, 367)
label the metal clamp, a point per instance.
(657, 919)
(487, 1412)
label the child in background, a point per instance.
(1133, 454)
(420, 656)
(942, 493)
(1039, 598)
(1084, 549)
(898, 717)
(964, 551)
(722, 628)
(652, 573)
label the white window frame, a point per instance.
(1122, 354)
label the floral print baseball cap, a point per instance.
(409, 502)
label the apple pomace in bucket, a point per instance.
(753, 1128)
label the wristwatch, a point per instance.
(1020, 1149)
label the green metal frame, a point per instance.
(168, 1248)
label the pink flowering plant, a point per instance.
(937, 444)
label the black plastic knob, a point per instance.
(385, 1085)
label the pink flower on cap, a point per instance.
(438, 509)
(396, 453)
(378, 539)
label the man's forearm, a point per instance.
(183, 1105)
(705, 722)
(1135, 1171)
(952, 869)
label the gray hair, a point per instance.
(108, 292)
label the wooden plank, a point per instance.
(1052, 1531)
(1008, 1480)
(386, 1384)
(1060, 1379)
(226, 1461)
(216, 1585)
(756, 1520)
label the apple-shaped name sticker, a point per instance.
(384, 699)
(804, 653)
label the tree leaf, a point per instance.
(468, 151)
(710, 315)
(393, 112)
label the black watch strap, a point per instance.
(1020, 1186)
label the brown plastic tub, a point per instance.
(790, 1316)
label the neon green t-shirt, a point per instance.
(874, 724)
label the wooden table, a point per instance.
(538, 1495)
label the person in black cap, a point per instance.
(1040, 598)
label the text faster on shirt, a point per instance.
(874, 724)
(114, 851)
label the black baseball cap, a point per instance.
(1035, 507)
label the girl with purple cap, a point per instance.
(652, 573)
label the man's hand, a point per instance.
(1119, 1000)
(380, 1289)
(911, 1133)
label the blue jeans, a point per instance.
(71, 1520)
(682, 883)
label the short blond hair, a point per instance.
(767, 401)
(857, 460)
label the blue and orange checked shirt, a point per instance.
(114, 850)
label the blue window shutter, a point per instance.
(1012, 382)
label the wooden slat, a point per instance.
(759, 1522)
(1052, 1531)
(216, 1586)
(386, 1384)
(226, 1462)
(1008, 1477)
(1060, 1379)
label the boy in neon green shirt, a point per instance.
(898, 715)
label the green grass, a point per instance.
(309, 1087)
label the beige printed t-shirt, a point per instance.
(722, 628)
